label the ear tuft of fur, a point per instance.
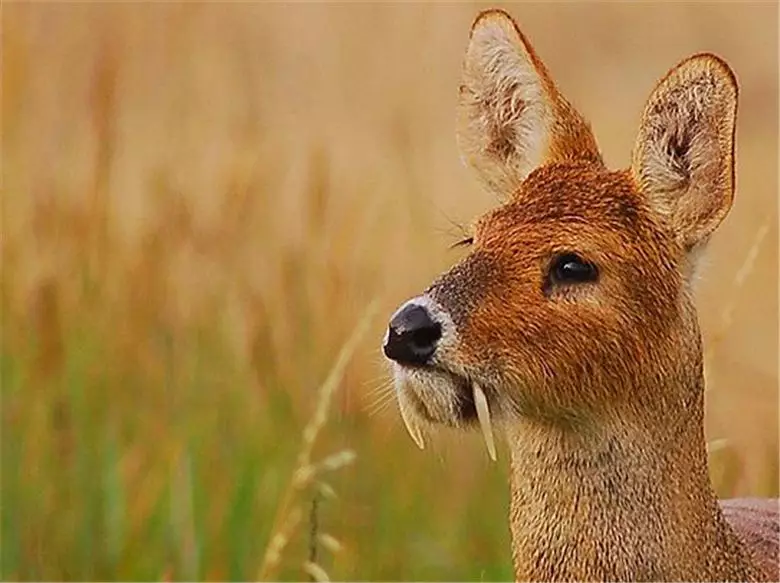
(511, 117)
(683, 160)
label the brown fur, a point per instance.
(598, 386)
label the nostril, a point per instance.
(412, 336)
(426, 336)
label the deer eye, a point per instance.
(570, 268)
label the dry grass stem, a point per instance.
(727, 314)
(330, 543)
(305, 471)
(316, 572)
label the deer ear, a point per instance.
(511, 117)
(683, 160)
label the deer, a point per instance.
(570, 327)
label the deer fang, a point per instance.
(411, 425)
(483, 414)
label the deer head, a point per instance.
(573, 306)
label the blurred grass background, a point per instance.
(198, 203)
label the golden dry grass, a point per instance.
(199, 201)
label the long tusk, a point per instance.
(409, 422)
(411, 426)
(483, 414)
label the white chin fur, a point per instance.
(440, 396)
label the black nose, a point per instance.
(412, 336)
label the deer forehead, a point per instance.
(565, 208)
(580, 206)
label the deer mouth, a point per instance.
(432, 395)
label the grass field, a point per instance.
(200, 203)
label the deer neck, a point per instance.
(620, 502)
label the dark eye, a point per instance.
(570, 268)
